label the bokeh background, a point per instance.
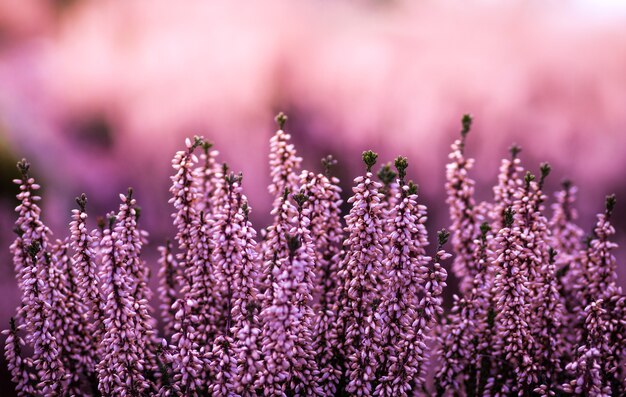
(98, 95)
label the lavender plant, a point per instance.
(321, 306)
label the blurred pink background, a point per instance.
(98, 95)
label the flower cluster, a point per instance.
(320, 305)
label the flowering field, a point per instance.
(322, 304)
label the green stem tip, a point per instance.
(369, 158)
(281, 119)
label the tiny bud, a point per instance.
(401, 164)
(566, 184)
(197, 141)
(369, 158)
(112, 218)
(23, 166)
(300, 199)
(466, 122)
(386, 174)
(293, 243)
(206, 145)
(281, 119)
(100, 222)
(328, 162)
(33, 249)
(552, 254)
(529, 177)
(545, 171)
(443, 236)
(508, 217)
(610, 204)
(484, 229)
(515, 151)
(82, 202)
(413, 188)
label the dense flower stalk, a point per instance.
(327, 233)
(29, 227)
(465, 218)
(126, 342)
(509, 183)
(185, 194)
(223, 367)
(284, 162)
(18, 366)
(566, 239)
(511, 290)
(68, 315)
(361, 282)
(87, 280)
(429, 310)
(406, 268)
(187, 361)
(589, 375)
(246, 308)
(289, 366)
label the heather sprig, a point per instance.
(466, 219)
(324, 196)
(361, 278)
(405, 269)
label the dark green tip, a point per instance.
(286, 194)
(197, 141)
(545, 171)
(101, 223)
(112, 218)
(369, 158)
(442, 237)
(23, 166)
(328, 162)
(281, 119)
(529, 177)
(245, 209)
(515, 151)
(484, 229)
(33, 249)
(82, 202)
(610, 204)
(233, 178)
(293, 243)
(401, 164)
(206, 146)
(466, 122)
(300, 199)
(129, 195)
(224, 168)
(413, 188)
(552, 254)
(386, 174)
(566, 184)
(508, 217)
